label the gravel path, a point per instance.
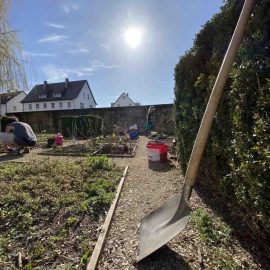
(144, 190)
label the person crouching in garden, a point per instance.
(17, 136)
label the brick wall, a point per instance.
(123, 116)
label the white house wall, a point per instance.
(123, 101)
(14, 105)
(84, 98)
(3, 109)
(49, 106)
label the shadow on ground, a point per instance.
(164, 258)
(10, 158)
(161, 167)
(227, 210)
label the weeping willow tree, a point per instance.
(12, 73)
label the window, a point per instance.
(90, 106)
(30, 107)
(129, 104)
(88, 97)
(45, 105)
(83, 95)
(37, 106)
(60, 104)
(52, 105)
(57, 95)
(81, 105)
(123, 97)
(14, 108)
(69, 104)
(42, 96)
(118, 105)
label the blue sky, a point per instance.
(84, 39)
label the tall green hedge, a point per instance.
(237, 154)
(83, 126)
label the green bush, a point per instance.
(83, 126)
(98, 163)
(237, 155)
(100, 194)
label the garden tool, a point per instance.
(160, 226)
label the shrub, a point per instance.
(84, 126)
(100, 194)
(98, 163)
(237, 153)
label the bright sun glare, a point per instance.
(133, 37)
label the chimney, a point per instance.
(66, 82)
(45, 85)
(127, 93)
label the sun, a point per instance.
(133, 37)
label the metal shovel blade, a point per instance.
(164, 223)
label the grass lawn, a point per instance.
(50, 211)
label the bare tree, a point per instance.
(12, 73)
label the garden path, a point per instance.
(145, 188)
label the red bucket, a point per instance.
(58, 139)
(157, 151)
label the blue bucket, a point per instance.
(133, 135)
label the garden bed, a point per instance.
(51, 211)
(117, 150)
(80, 149)
(94, 147)
(42, 139)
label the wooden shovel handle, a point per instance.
(216, 94)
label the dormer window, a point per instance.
(57, 95)
(42, 96)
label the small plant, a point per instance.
(64, 267)
(99, 197)
(38, 250)
(98, 163)
(55, 148)
(71, 221)
(224, 261)
(212, 230)
(3, 246)
(28, 266)
(203, 222)
(85, 257)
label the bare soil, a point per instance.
(105, 146)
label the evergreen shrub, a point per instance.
(237, 154)
(82, 126)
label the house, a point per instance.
(65, 95)
(11, 102)
(124, 101)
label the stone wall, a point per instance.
(122, 116)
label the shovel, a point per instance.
(160, 226)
